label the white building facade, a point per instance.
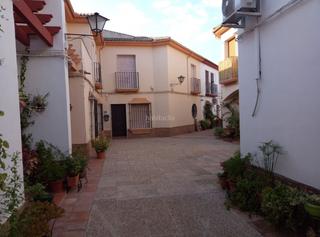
(287, 110)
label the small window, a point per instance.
(212, 88)
(126, 63)
(193, 71)
(232, 48)
(140, 116)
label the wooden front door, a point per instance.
(119, 120)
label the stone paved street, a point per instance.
(165, 187)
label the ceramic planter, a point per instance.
(313, 210)
(101, 154)
(56, 186)
(73, 181)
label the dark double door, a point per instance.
(119, 120)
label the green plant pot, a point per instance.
(312, 210)
(44, 198)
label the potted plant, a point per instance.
(55, 174)
(37, 193)
(39, 102)
(73, 169)
(83, 162)
(312, 206)
(100, 144)
(52, 166)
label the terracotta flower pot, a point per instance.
(56, 186)
(101, 154)
(73, 181)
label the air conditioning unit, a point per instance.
(235, 10)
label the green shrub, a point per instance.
(218, 132)
(52, 165)
(205, 124)
(236, 166)
(33, 221)
(283, 206)
(100, 144)
(73, 166)
(247, 195)
(82, 159)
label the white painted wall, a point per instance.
(288, 110)
(9, 97)
(49, 73)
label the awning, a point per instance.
(139, 101)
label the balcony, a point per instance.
(127, 81)
(97, 76)
(228, 71)
(195, 86)
(212, 90)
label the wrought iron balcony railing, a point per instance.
(195, 86)
(127, 81)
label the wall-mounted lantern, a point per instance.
(106, 116)
(180, 81)
(97, 22)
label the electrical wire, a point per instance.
(258, 80)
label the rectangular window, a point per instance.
(140, 116)
(212, 84)
(126, 63)
(97, 72)
(232, 47)
(193, 71)
(207, 83)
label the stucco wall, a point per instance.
(9, 97)
(82, 84)
(159, 68)
(47, 72)
(144, 65)
(288, 110)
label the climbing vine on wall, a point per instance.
(4, 145)
(2, 16)
(25, 103)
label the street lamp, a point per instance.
(97, 22)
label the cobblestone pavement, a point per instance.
(165, 187)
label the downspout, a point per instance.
(188, 82)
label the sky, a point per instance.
(190, 22)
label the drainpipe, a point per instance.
(188, 82)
